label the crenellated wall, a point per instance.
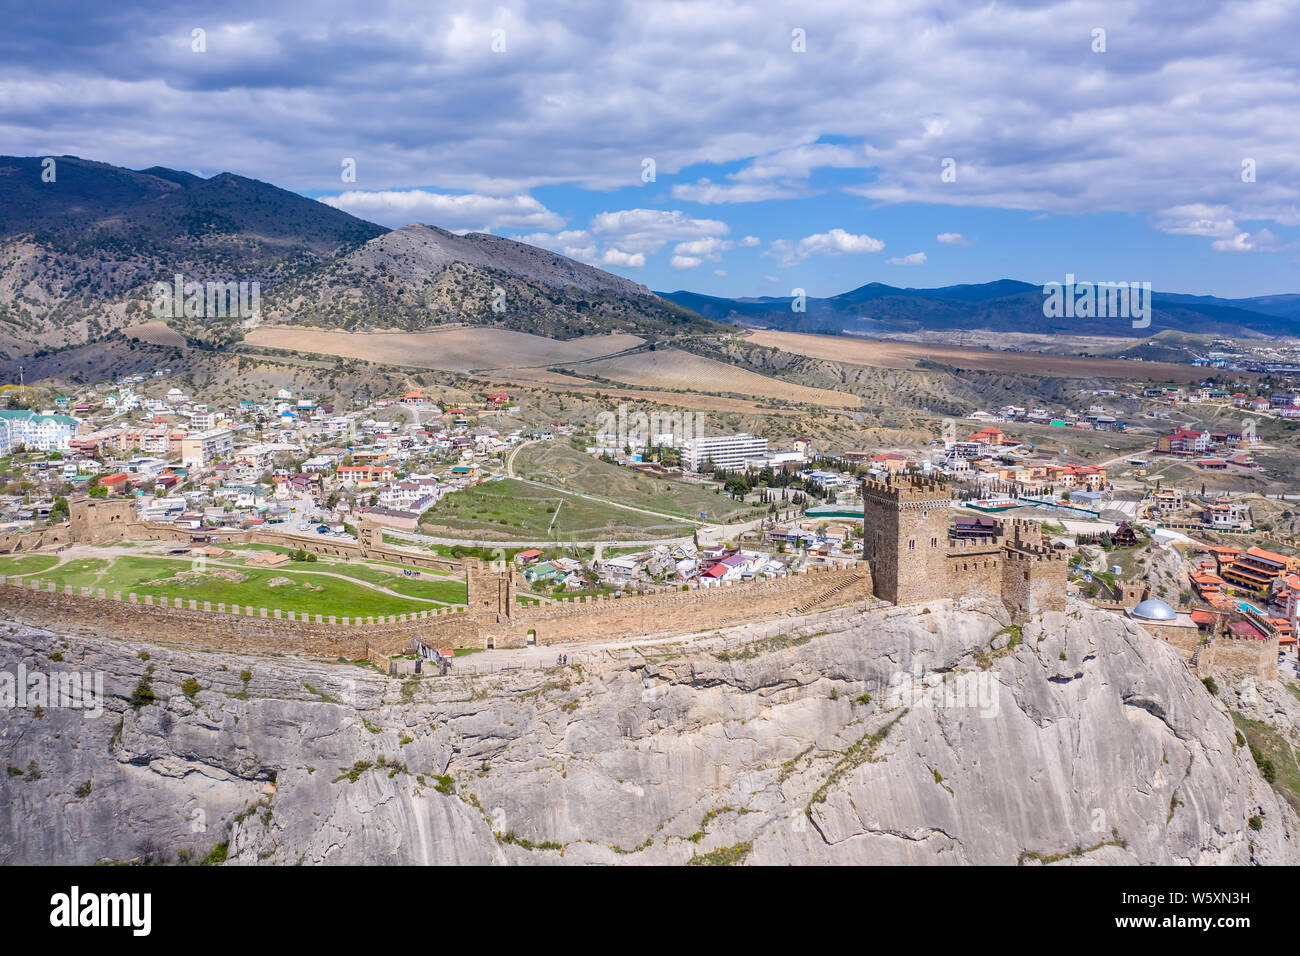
(906, 543)
(203, 624)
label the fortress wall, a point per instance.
(276, 631)
(974, 574)
(674, 610)
(221, 628)
(1225, 654)
(1033, 581)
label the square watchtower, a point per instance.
(905, 537)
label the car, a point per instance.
(322, 529)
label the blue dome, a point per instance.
(1154, 609)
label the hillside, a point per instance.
(793, 741)
(1004, 305)
(419, 277)
(79, 255)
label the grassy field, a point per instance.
(443, 588)
(514, 509)
(27, 564)
(308, 592)
(556, 463)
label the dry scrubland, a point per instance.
(451, 350)
(906, 355)
(671, 368)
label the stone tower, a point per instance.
(96, 520)
(490, 590)
(905, 537)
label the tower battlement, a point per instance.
(907, 488)
(905, 540)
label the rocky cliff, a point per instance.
(914, 735)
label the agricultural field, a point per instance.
(156, 333)
(558, 463)
(673, 369)
(453, 350)
(321, 587)
(543, 378)
(511, 509)
(882, 353)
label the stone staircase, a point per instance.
(828, 595)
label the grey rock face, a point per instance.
(912, 735)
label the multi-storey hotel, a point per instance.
(725, 451)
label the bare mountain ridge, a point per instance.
(79, 256)
(419, 276)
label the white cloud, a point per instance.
(574, 243)
(1219, 223)
(1262, 241)
(781, 174)
(649, 230)
(912, 259)
(1196, 219)
(953, 239)
(835, 242)
(710, 193)
(685, 262)
(469, 212)
(617, 257)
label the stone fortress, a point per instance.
(908, 558)
(912, 558)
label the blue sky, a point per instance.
(791, 147)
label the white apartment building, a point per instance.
(725, 451)
(205, 447)
(44, 432)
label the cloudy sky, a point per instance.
(728, 148)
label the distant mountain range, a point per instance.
(83, 245)
(80, 256)
(1004, 305)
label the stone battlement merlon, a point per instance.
(907, 488)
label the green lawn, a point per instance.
(27, 563)
(514, 509)
(277, 548)
(566, 466)
(440, 588)
(335, 596)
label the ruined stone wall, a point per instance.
(51, 539)
(96, 520)
(973, 569)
